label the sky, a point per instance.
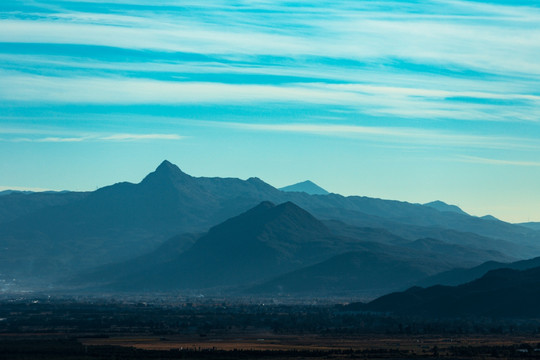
(405, 100)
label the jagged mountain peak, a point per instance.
(166, 171)
(166, 167)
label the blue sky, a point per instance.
(405, 100)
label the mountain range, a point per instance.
(173, 231)
(282, 249)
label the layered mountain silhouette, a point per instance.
(45, 237)
(366, 273)
(306, 186)
(284, 250)
(371, 267)
(499, 293)
(260, 243)
(121, 221)
(531, 225)
(461, 276)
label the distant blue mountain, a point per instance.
(307, 187)
(442, 206)
(9, 192)
(531, 225)
(489, 217)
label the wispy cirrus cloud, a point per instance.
(369, 99)
(405, 135)
(140, 137)
(488, 161)
(439, 34)
(44, 136)
(392, 60)
(299, 39)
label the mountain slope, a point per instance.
(373, 268)
(461, 276)
(288, 245)
(531, 225)
(442, 206)
(499, 293)
(260, 243)
(14, 204)
(120, 221)
(369, 273)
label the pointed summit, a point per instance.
(166, 171)
(167, 167)
(307, 186)
(286, 218)
(265, 240)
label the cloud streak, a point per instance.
(344, 30)
(369, 99)
(36, 136)
(487, 161)
(390, 134)
(390, 58)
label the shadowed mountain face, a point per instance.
(262, 242)
(285, 250)
(373, 268)
(45, 237)
(14, 204)
(307, 187)
(461, 276)
(357, 272)
(121, 221)
(531, 225)
(499, 293)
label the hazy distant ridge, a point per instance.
(307, 187)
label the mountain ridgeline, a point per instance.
(307, 186)
(499, 293)
(175, 232)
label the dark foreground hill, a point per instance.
(499, 293)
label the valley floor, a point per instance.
(69, 329)
(71, 347)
